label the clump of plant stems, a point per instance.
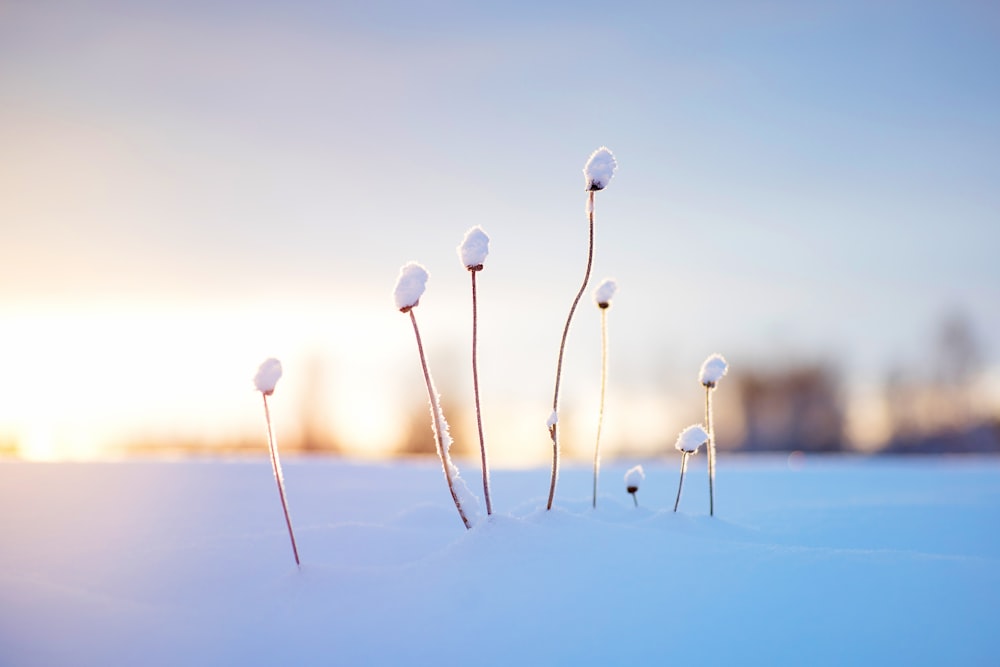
(633, 478)
(688, 442)
(712, 370)
(602, 297)
(473, 251)
(597, 172)
(267, 377)
(410, 287)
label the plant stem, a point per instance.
(711, 450)
(475, 386)
(684, 465)
(435, 415)
(279, 478)
(554, 429)
(635, 499)
(600, 412)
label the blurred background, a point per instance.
(188, 188)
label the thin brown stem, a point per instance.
(711, 450)
(279, 478)
(554, 429)
(680, 487)
(436, 416)
(600, 411)
(475, 387)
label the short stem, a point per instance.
(279, 478)
(711, 450)
(475, 386)
(435, 415)
(600, 412)
(684, 462)
(635, 499)
(554, 429)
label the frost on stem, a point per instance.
(410, 286)
(267, 376)
(600, 168)
(688, 442)
(474, 249)
(472, 252)
(265, 380)
(713, 369)
(605, 292)
(597, 172)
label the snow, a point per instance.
(553, 419)
(605, 292)
(712, 370)
(691, 438)
(600, 168)
(410, 286)
(634, 477)
(474, 248)
(830, 562)
(267, 376)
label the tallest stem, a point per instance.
(554, 428)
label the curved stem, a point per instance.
(279, 478)
(600, 412)
(475, 386)
(554, 429)
(684, 464)
(436, 416)
(711, 450)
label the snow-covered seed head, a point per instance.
(691, 439)
(267, 376)
(599, 169)
(713, 369)
(605, 292)
(633, 478)
(410, 286)
(474, 249)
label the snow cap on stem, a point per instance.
(633, 478)
(605, 292)
(410, 286)
(691, 439)
(474, 248)
(713, 369)
(267, 376)
(553, 419)
(599, 169)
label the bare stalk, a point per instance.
(600, 412)
(711, 449)
(435, 414)
(475, 386)
(554, 429)
(684, 465)
(279, 478)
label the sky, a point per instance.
(188, 188)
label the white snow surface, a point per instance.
(808, 561)
(634, 477)
(267, 376)
(410, 285)
(605, 291)
(691, 438)
(475, 247)
(713, 368)
(600, 168)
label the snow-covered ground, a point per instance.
(825, 561)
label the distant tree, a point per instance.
(798, 408)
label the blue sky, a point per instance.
(814, 182)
